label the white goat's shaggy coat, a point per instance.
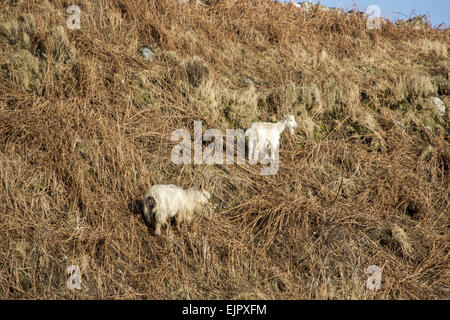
(170, 201)
(262, 134)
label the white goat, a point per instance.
(262, 134)
(170, 201)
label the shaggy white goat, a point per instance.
(262, 134)
(170, 201)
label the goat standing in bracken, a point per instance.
(261, 135)
(169, 201)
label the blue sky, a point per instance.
(437, 10)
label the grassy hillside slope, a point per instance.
(85, 127)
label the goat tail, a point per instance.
(149, 204)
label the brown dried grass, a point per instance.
(353, 188)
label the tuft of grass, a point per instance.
(25, 70)
(194, 70)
